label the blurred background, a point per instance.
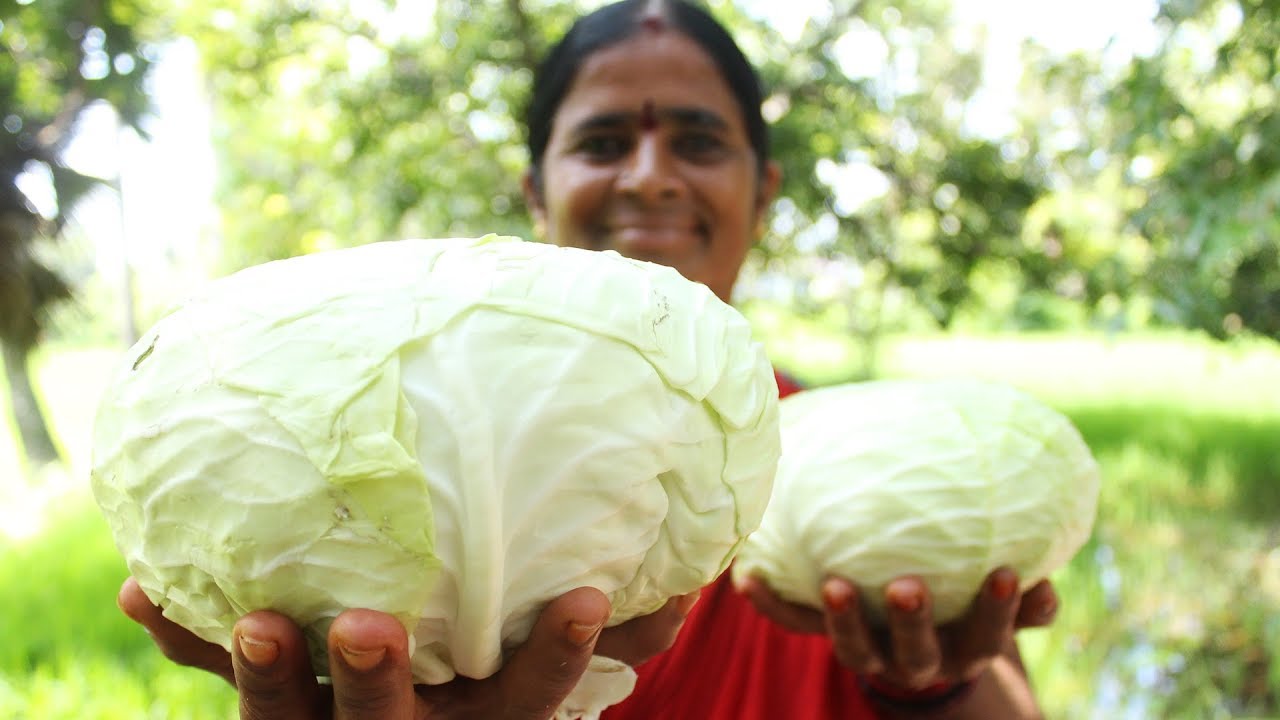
(1082, 199)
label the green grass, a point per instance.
(1169, 597)
(1171, 611)
(69, 652)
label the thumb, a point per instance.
(544, 670)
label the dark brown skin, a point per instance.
(910, 652)
(372, 680)
(370, 661)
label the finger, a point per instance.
(369, 663)
(272, 669)
(987, 625)
(789, 615)
(1039, 606)
(176, 642)
(542, 671)
(850, 635)
(637, 640)
(916, 658)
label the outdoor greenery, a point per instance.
(1113, 245)
(56, 64)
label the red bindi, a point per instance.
(653, 23)
(648, 116)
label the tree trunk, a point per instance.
(26, 409)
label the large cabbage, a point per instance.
(452, 431)
(947, 479)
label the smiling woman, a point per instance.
(646, 149)
(646, 138)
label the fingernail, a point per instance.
(362, 660)
(904, 600)
(1003, 586)
(124, 609)
(581, 634)
(261, 653)
(836, 600)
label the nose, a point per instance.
(651, 172)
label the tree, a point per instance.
(59, 58)
(339, 128)
(1186, 136)
(946, 222)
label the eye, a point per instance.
(603, 148)
(699, 146)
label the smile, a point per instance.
(656, 241)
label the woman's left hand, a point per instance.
(909, 651)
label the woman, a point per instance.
(646, 137)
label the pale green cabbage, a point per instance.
(452, 431)
(947, 479)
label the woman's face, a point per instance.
(649, 156)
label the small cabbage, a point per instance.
(451, 431)
(946, 479)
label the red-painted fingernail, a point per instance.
(904, 600)
(362, 660)
(261, 653)
(837, 599)
(1003, 586)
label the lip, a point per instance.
(648, 237)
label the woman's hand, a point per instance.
(370, 661)
(910, 651)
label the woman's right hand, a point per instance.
(370, 661)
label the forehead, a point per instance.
(666, 68)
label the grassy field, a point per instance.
(1172, 610)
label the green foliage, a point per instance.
(1192, 129)
(79, 656)
(335, 130)
(85, 567)
(65, 54)
(56, 59)
(61, 57)
(951, 209)
(1174, 475)
(1131, 193)
(1142, 191)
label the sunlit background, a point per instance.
(1082, 199)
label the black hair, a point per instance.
(615, 23)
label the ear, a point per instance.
(534, 200)
(766, 191)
